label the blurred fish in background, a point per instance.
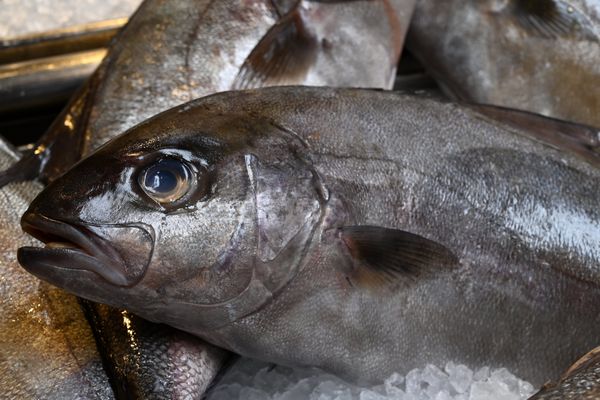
(541, 56)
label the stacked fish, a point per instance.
(316, 221)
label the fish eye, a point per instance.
(166, 180)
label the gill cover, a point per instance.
(284, 203)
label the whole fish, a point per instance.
(358, 231)
(541, 56)
(47, 350)
(580, 382)
(173, 51)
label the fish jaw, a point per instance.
(80, 248)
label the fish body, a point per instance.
(539, 56)
(47, 350)
(361, 232)
(580, 382)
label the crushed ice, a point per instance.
(254, 380)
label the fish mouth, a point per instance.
(75, 247)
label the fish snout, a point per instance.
(117, 253)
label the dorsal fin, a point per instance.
(383, 256)
(581, 140)
(284, 55)
(553, 19)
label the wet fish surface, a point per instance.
(47, 350)
(580, 382)
(160, 363)
(361, 232)
(173, 51)
(540, 56)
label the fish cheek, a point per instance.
(205, 255)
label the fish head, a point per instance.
(192, 218)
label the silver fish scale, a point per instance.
(521, 216)
(580, 382)
(152, 361)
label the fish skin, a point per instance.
(217, 37)
(268, 279)
(482, 51)
(580, 382)
(47, 350)
(160, 362)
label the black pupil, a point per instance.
(161, 179)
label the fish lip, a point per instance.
(89, 253)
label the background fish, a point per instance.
(46, 347)
(580, 382)
(541, 56)
(362, 232)
(152, 361)
(173, 51)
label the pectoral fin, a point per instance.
(582, 140)
(284, 55)
(382, 256)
